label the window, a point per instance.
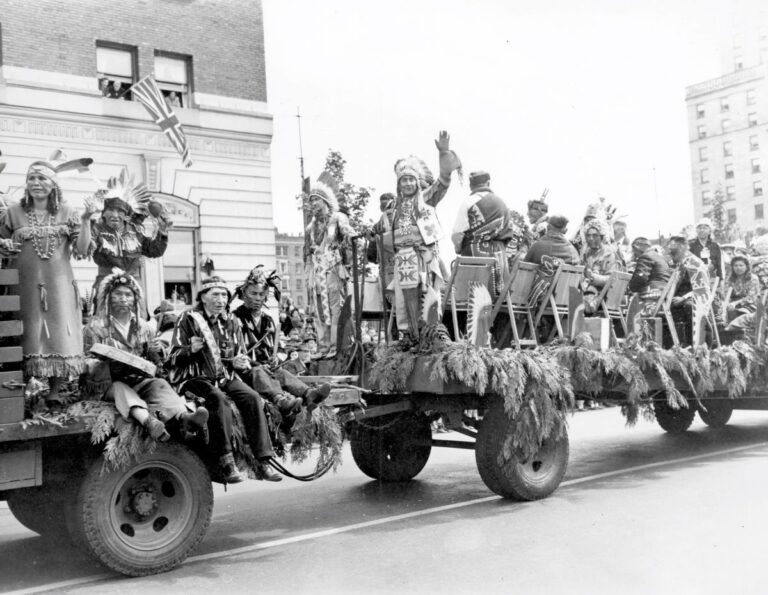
(700, 110)
(726, 124)
(759, 212)
(299, 268)
(738, 63)
(728, 171)
(731, 216)
(284, 285)
(116, 67)
(704, 176)
(282, 250)
(172, 73)
(730, 193)
(751, 97)
(752, 118)
(756, 165)
(705, 197)
(702, 131)
(754, 144)
(702, 153)
(297, 251)
(299, 300)
(757, 188)
(727, 148)
(724, 105)
(298, 285)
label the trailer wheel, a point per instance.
(392, 447)
(147, 518)
(674, 421)
(43, 509)
(717, 414)
(518, 479)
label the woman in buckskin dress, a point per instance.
(42, 234)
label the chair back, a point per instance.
(520, 290)
(666, 294)
(570, 276)
(615, 289)
(468, 270)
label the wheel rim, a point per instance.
(539, 467)
(151, 507)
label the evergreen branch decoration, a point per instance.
(321, 427)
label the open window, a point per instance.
(173, 76)
(116, 67)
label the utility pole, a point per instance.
(301, 149)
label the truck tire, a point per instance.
(43, 509)
(530, 479)
(392, 447)
(718, 413)
(148, 518)
(673, 421)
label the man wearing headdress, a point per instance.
(537, 215)
(118, 238)
(328, 236)
(149, 400)
(411, 227)
(275, 384)
(600, 259)
(207, 353)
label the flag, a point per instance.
(159, 109)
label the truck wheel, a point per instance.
(43, 509)
(392, 447)
(147, 518)
(674, 421)
(717, 413)
(518, 479)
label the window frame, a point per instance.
(757, 188)
(187, 97)
(122, 47)
(761, 214)
(703, 154)
(727, 148)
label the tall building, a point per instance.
(727, 119)
(65, 73)
(289, 251)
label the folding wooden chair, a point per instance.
(465, 271)
(664, 306)
(515, 294)
(611, 301)
(557, 295)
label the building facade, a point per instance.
(65, 75)
(728, 136)
(289, 252)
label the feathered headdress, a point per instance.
(261, 278)
(416, 167)
(123, 193)
(58, 163)
(327, 189)
(118, 278)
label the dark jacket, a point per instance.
(555, 245)
(715, 260)
(651, 272)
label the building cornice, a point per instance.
(729, 80)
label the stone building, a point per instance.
(65, 72)
(289, 252)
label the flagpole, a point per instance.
(301, 149)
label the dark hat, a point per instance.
(641, 241)
(678, 238)
(211, 283)
(479, 178)
(558, 221)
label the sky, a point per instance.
(584, 98)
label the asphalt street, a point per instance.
(640, 511)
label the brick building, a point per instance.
(65, 71)
(289, 251)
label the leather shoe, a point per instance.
(264, 472)
(228, 469)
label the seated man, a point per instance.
(600, 260)
(287, 392)
(692, 285)
(207, 352)
(553, 245)
(150, 401)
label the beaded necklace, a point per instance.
(42, 230)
